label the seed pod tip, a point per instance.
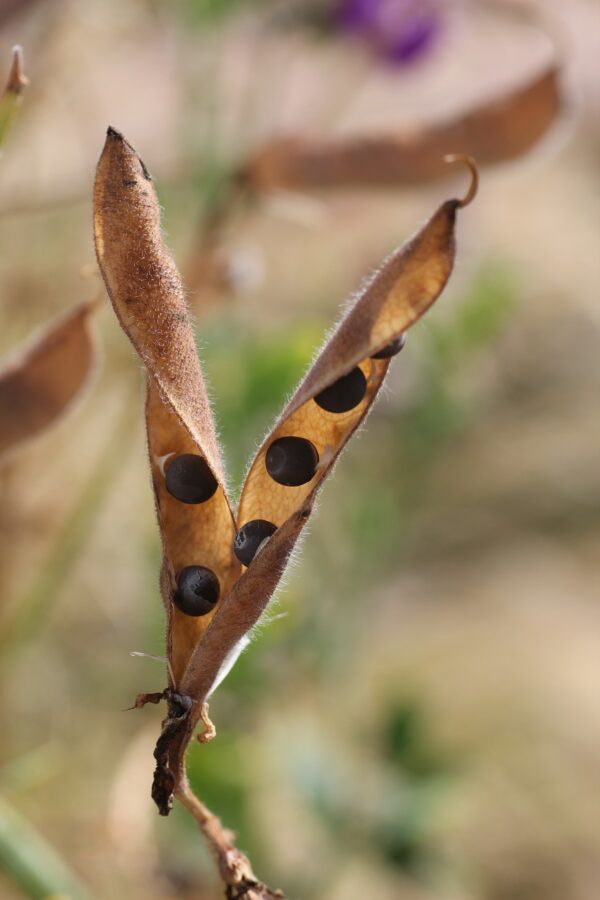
(113, 133)
(17, 80)
(118, 148)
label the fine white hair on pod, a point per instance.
(229, 662)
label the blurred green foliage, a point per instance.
(221, 776)
(33, 865)
(203, 12)
(405, 741)
(371, 789)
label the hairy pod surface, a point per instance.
(148, 297)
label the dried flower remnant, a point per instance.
(211, 600)
(42, 380)
(11, 98)
(502, 129)
(401, 31)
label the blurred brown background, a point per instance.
(423, 721)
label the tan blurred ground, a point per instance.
(491, 618)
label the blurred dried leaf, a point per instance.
(11, 8)
(502, 129)
(39, 383)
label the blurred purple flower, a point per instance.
(401, 30)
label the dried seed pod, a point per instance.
(210, 607)
(39, 383)
(392, 300)
(501, 129)
(147, 294)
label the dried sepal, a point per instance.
(148, 296)
(502, 129)
(40, 382)
(328, 406)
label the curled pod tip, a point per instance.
(471, 165)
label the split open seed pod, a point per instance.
(219, 572)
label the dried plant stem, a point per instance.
(234, 867)
(170, 780)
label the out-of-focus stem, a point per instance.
(32, 863)
(32, 609)
(207, 272)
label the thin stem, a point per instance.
(236, 871)
(206, 273)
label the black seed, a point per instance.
(291, 461)
(197, 591)
(344, 394)
(189, 479)
(250, 537)
(392, 348)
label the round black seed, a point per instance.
(291, 461)
(250, 537)
(392, 348)
(344, 394)
(189, 479)
(197, 591)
